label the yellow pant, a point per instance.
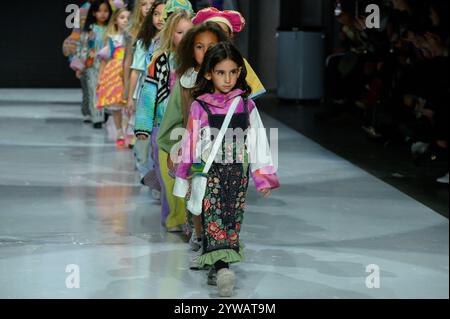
(177, 214)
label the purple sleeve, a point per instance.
(190, 140)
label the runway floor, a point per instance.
(68, 197)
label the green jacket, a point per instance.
(173, 118)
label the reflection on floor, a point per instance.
(68, 197)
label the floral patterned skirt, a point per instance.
(223, 212)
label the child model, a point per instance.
(189, 56)
(144, 24)
(220, 87)
(86, 62)
(159, 82)
(110, 90)
(140, 12)
(147, 43)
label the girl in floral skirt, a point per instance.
(220, 81)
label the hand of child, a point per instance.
(266, 192)
(130, 106)
(78, 74)
(170, 165)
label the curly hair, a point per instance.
(185, 51)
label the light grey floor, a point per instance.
(68, 197)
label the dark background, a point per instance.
(31, 47)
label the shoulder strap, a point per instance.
(219, 138)
(204, 106)
(246, 111)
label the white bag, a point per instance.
(195, 203)
(199, 182)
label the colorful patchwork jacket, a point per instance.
(155, 92)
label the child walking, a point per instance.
(137, 18)
(86, 63)
(146, 25)
(110, 90)
(230, 22)
(189, 56)
(147, 42)
(159, 82)
(220, 85)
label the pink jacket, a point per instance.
(262, 169)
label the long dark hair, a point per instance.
(95, 7)
(148, 30)
(185, 51)
(216, 54)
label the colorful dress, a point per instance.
(110, 91)
(226, 192)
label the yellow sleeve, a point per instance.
(257, 87)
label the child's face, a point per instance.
(122, 20)
(181, 29)
(202, 42)
(158, 20)
(146, 6)
(102, 15)
(224, 76)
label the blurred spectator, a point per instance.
(396, 75)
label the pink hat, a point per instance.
(233, 19)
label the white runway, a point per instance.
(68, 197)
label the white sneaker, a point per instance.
(443, 179)
(225, 282)
(156, 194)
(194, 243)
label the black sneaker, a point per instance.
(212, 277)
(87, 119)
(98, 126)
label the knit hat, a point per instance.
(116, 4)
(173, 5)
(233, 19)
